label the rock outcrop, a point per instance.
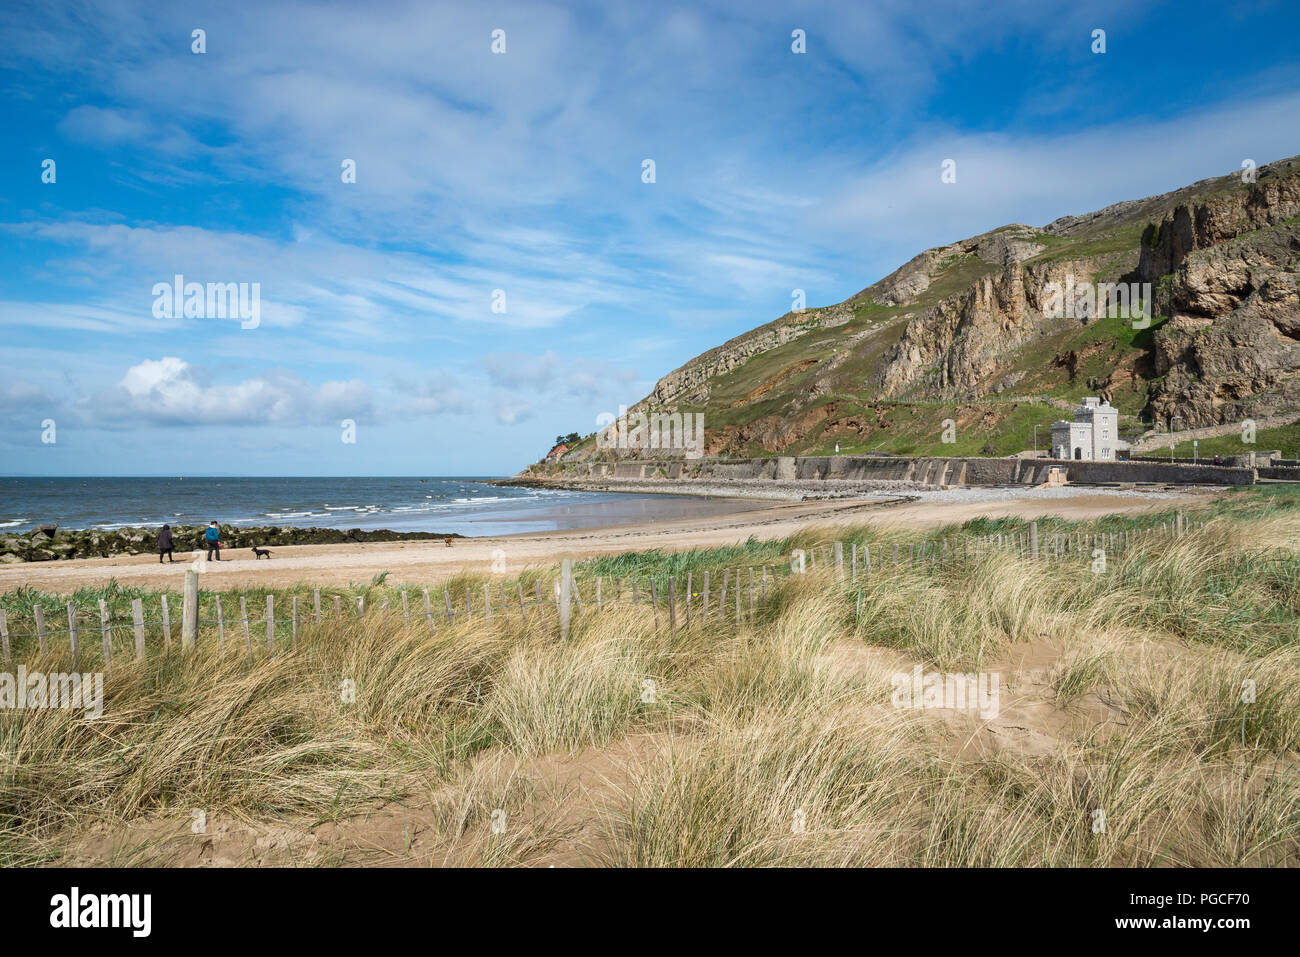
(38, 546)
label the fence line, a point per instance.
(687, 608)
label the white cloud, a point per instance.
(169, 391)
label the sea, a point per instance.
(438, 505)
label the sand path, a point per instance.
(340, 564)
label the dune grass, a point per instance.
(1173, 699)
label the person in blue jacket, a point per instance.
(213, 538)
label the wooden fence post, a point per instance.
(293, 633)
(73, 642)
(221, 627)
(722, 602)
(523, 612)
(406, 612)
(704, 603)
(248, 635)
(566, 586)
(270, 622)
(315, 598)
(672, 604)
(654, 601)
(839, 560)
(1033, 540)
(690, 584)
(487, 600)
(190, 610)
(167, 624)
(106, 631)
(39, 613)
(137, 621)
(428, 609)
(4, 636)
(338, 606)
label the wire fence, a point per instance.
(727, 594)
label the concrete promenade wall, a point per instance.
(923, 470)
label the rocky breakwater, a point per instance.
(49, 543)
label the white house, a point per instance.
(1093, 436)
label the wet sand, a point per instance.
(420, 562)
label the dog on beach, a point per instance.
(449, 543)
(261, 553)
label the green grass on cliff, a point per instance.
(1285, 438)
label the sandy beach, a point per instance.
(339, 564)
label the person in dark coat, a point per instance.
(165, 544)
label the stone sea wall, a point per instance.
(926, 470)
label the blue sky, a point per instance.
(522, 172)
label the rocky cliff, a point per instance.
(959, 351)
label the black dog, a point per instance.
(261, 553)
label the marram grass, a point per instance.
(1168, 719)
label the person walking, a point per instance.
(213, 539)
(165, 544)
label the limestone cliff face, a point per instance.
(1226, 273)
(688, 384)
(964, 344)
(1189, 227)
(1231, 348)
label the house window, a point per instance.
(1105, 453)
(1105, 433)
